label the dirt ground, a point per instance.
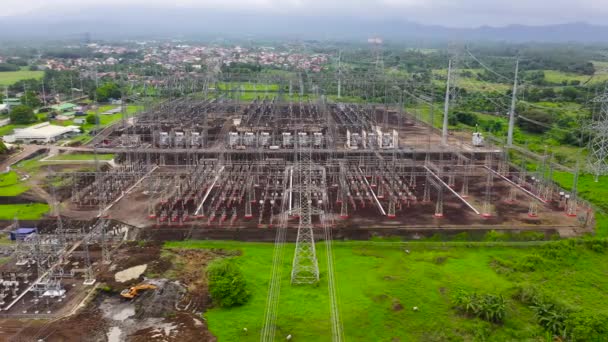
(173, 312)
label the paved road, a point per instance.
(26, 151)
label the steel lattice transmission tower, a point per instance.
(598, 146)
(305, 269)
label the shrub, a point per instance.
(536, 121)
(489, 307)
(551, 317)
(227, 285)
(493, 235)
(561, 321)
(529, 263)
(585, 327)
(91, 119)
(596, 245)
(22, 115)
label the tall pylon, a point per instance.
(598, 146)
(446, 107)
(305, 269)
(512, 110)
(340, 74)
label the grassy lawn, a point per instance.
(10, 185)
(596, 193)
(30, 211)
(246, 86)
(10, 77)
(470, 83)
(422, 111)
(555, 76)
(104, 120)
(8, 129)
(5, 240)
(82, 156)
(378, 284)
(30, 165)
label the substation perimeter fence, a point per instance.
(590, 208)
(444, 244)
(29, 316)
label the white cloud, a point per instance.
(448, 12)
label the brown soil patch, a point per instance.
(397, 306)
(188, 328)
(188, 267)
(129, 255)
(88, 325)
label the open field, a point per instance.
(470, 83)
(82, 156)
(10, 185)
(246, 86)
(31, 211)
(104, 120)
(10, 77)
(8, 129)
(379, 283)
(594, 192)
(554, 76)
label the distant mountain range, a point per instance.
(112, 23)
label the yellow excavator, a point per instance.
(134, 291)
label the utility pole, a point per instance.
(598, 145)
(43, 93)
(446, 107)
(512, 111)
(305, 269)
(339, 74)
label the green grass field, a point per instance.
(31, 211)
(378, 284)
(470, 83)
(8, 129)
(10, 185)
(246, 86)
(10, 77)
(82, 156)
(594, 192)
(554, 76)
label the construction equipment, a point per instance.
(134, 291)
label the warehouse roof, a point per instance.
(43, 131)
(64, 106)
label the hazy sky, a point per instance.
(462, 13)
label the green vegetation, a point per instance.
(108, 91)
(30, 99)
(29, 211)
(489, 307)
(227, 286)
(22, 115)
(246, 86)
(10, 185)
(559, 77)
(82, 156)
(594, 192)
(379, 283)
(10, 77)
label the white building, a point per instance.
(41, 133)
